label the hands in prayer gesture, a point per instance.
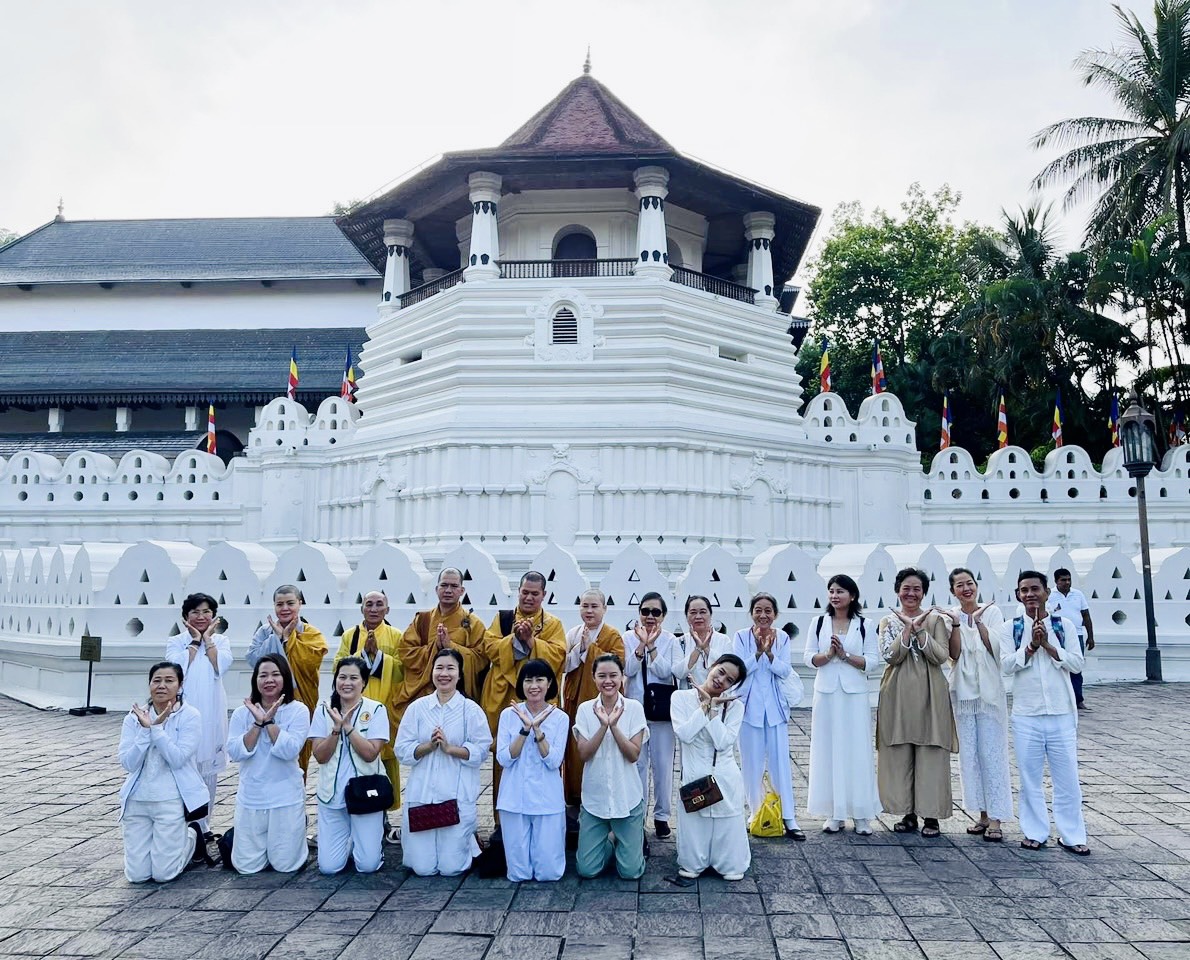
(259, 713)
(1040, 638)
(370, 646)
(837, 648)
(337, 720)
(142, 714)
(766, 637)
(646, 637)
(609, 717)
(442, 637)
(585, 642)
(438, 739)
(523, 631)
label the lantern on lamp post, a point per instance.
(1138, 438)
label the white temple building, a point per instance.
(581, 362)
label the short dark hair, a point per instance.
(956, 571)
(287, 691)
(536, 668)
(457, 658)
(360, 664)
(696, 596)
(533, 577)
(607, 658)
(196, 600)
(755, 600)
(735, 662)
(851, 587)
(1032, 575)
(167, 665)
(289, 588)
(907, 572)
(1062, 572)
(654, 595)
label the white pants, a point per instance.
(534, 845)
(768, 747)
(720, 843)
(447, 850)
(341, 835)
(1053, 738)
(212, 782)
(158, 843)
(657, 754)
(270, 838)
(983, 764)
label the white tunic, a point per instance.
(160, 759)
(611, 784)
(708, 746)
(532, 784)
(659, 669)
(684, 646)
(436, 776)
(202, 688)
(764, 703)
(269, 773)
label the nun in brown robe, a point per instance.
(915, 728)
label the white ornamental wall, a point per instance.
(131, 594)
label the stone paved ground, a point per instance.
(62, 891)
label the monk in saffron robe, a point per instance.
(449, 624)
(527, 632)
(376, 642)
(300, 643)
(585, 643)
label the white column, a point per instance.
(485, 237)
(192, 418)
(123, 419)
(56, 419)
(398, 238)
(758, 231)
(651, 244)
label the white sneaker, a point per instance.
(733, 876)
(689, 874)
(832, 826)
(863, 828)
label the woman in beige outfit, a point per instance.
(915, 728)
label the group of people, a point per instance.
(580, 721)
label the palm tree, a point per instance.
(1139, 160)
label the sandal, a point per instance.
(1028, 844)
(992, 835)
(907, 824)
(1078, 849)
(930, 829)
(978, 828)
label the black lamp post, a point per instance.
(1139, 440)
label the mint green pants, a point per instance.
(595, 848)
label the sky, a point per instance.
(143, 108)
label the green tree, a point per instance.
(7, 236)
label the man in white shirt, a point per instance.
(1040, 652)
(1071, 603)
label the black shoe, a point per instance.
(791, 833)
(662, 829)
(646, 848)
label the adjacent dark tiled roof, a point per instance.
(114, 445)
(585, 116)
(231, 248)
(134, 367)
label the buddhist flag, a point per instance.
(879, 383)
(824, 367)
(1056, 428)
(1113, 421)
(1177, 429)
(211, 428)
(1002, 424)
(347, 390)
(947, 421)
(291, 392)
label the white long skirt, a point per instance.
(842, 758)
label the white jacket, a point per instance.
(177, 741)
(836, 674)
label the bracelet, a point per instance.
(524, 731)
(539, 738)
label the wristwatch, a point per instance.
(524, 731)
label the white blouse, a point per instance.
(611, 783)
(269, 773)
(532, 784)
(437, 776)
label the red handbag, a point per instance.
(431, 816)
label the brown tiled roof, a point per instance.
(585, 116)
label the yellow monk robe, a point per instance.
(381, 688)
(305, 652)
(419, 645)
(580, 687)
(499, 689)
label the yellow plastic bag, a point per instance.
(768, 822)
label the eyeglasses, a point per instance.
(651, 612)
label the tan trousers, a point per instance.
(913, 779)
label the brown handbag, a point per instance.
(704, 792)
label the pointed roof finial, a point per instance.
(61, 215)
(587, 62)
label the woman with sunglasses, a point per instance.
(530, 746)
(651, 681)
(707, 720)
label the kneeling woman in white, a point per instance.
(706, 722)
(158, 744)
(444, 738)
(531, 802)
(267, 733)
(347, 735)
